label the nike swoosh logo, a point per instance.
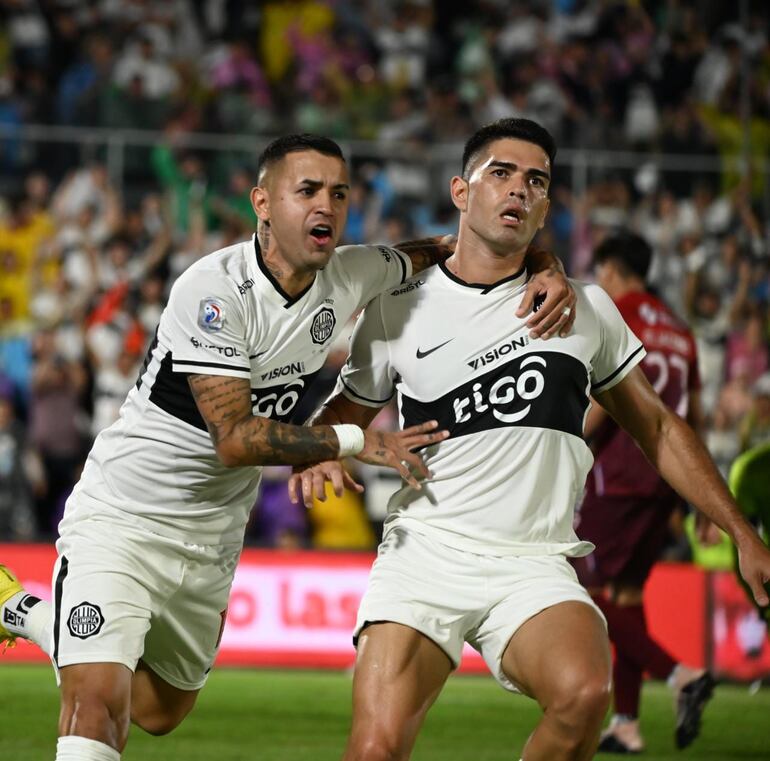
(423, 354)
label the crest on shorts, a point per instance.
(85, 620)
(211, 314)
(323, 326)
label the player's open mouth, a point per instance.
(321, 234)
(513, 216)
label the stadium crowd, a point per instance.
(86, 258)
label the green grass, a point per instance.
(299, 716)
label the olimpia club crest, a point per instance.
(85, 620)
(323, 326)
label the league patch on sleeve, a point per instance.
(211, 314)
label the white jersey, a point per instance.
(506, 480)
(226, 315)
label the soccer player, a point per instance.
(479, 554)
(628, 505)
(152, 533)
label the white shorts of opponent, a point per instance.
(453, 596)
(122, 593)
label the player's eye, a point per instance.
(340, 196)
(306, 191)
(499, 173)
(537, 181)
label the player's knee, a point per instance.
(375, 747)
(580, 706)
(88, 714)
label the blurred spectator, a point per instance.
(57, 425)
(19, 471)
(755, 426)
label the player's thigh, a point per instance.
(398, 675)
(521, 588)
(559, 651)
(107, 583)
(182, 644)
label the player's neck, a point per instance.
(475, 263)
(291, 280)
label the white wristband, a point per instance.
(351, 438)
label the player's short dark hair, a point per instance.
(630, 252)
(281, 146)
(517, 129)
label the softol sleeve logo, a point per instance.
(211, 314)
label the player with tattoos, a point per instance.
(153, 531)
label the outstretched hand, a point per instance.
(389, 449)
(754, 565)
(396, 449)
(556, 314)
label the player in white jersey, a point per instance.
(479, 554)
(152, 533)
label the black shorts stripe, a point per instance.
(597, 386)
(58, 590)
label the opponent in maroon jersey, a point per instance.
(627, 505)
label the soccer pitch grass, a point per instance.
(300, 715)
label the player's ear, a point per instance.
(260, 202)
(458, 189)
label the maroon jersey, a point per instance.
(620, 468)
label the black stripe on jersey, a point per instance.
(597, 386)
(147, 359)
(282, 402)
(537, 390)
(57, 595)
(216, 365)
(365, 398)
(172, 394)
(290, 300)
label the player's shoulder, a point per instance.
(363, 253)
(228, 265)
(590, 295)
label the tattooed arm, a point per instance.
(241, 438)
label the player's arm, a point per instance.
(679, 456)
(240, 438)
(310, 482)
(557, 312)
(594, 419)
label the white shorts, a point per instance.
(453, 596)
(121, 594)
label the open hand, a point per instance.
(556, 314)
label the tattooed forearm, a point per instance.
(240, 438)
(425, 252)
(297, 445)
